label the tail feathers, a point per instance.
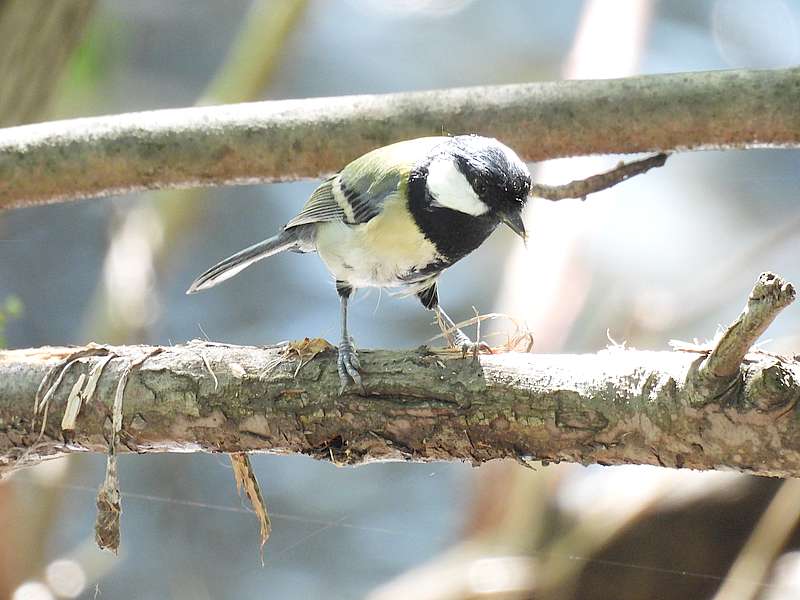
(241, 260)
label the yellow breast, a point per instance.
(378, 253)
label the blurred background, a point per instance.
(672, 254)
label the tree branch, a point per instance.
(719, 375)
(616, 406)
(580, 188)
(769, 296)
(292, 139)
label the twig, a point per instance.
(448, 331)
(581, 188)
(514, 340)
(770, 295)
(719, 376)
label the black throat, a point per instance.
(455, 234)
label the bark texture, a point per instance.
(616, 406)
(292, 139)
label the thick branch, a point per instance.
(285, 140)
(617, 406)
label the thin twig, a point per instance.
(580, 188)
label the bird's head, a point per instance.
(482, 177)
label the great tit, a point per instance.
(397, 217)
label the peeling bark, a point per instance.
(617, 406)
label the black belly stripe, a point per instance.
(455, 234)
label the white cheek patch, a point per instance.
(450, 189)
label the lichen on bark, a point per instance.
(616, 406)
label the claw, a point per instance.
(475, 348)
(348, 366)
(469, 347)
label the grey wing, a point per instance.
(320, 207)
(366, 196)
(354, 196)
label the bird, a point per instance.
(397, 217)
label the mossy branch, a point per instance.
(617, 406)
(293, 139)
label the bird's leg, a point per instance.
(347, 363)
(453, 335)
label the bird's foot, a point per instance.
(469, 347)
(348, 366)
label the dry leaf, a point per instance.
(246, 480)
(306, 350)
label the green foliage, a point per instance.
(11, 308)
(93, 60)
(90, 65)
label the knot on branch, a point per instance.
(773, 388)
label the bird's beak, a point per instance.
(514, 221)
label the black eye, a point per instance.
(479, 186)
